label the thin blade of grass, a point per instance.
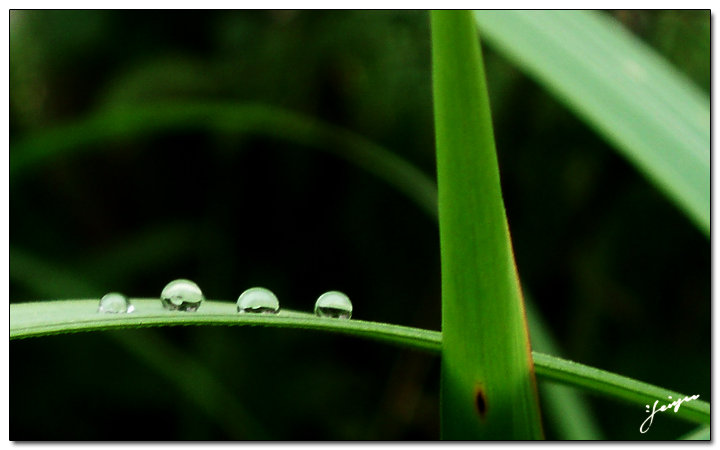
(131, 122)
(46, 318)
(156, 351)
(617, 386)
(52, 317)
(566, 409)
(635, 99)
(47, 279)
(137, 253)
(488, 386)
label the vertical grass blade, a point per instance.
(564, 408)
(643, 106)
(488, 388)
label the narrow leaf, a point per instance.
(44, 318)
(488, 387)
(635, 99)
(52, 317)
(618, 386)
(565, 409)
(133, 122)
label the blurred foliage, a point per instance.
(621, 277)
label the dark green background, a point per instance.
(619, 274)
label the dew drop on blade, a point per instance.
(115, 303)
(259, 301)
(181, 295)
(334, 304)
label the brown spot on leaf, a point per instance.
(480, 402)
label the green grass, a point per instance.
(488, 386)
(53, 317)
(635, 100)
(227, 119)
(564, 408)
(34, 319)
(172, 241)
(652, 114)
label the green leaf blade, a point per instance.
(564, 408)
(223, 118)
(53, 317)
(651, 113)
(44, 318)
(488, 387)
(617, 386)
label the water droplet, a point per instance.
(334, 304)
(181, 295)
(258, 300)
(115, 303)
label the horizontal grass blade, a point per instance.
(132, 122)
(635, 99)
(616, 386)
(45, 318)
(52, 317)
(488, 388)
